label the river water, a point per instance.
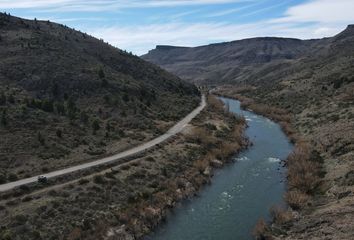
(240, 193)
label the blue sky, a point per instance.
(139, 25)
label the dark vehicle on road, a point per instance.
(42, 179)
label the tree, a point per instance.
(71, 108)
(4, 118)
(55, 90)
(109, 128)
(84, 117)
(95, 126)
(2, 99)
(126, 97)
(47, 105)
(40, 138)
(104, 82)
(59, 133)
(60, 108)
(101, 73)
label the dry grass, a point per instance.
(260, 230)
(280, 215)
(296, 199)
(303, 173)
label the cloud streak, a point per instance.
(323, 11)
(103, 5)
(187, 22)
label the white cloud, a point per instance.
(323, 11)
(234, 10)
(312, 19)
(104, 5)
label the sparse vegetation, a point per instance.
(260, 231)
(56, 100)
(137, 194)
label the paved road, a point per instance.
(171, 132)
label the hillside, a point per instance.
(66, 97)
(313, 82)
(228, 62)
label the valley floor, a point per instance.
(130, 200)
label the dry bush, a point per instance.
(200, 136)
(201, 164)
(280, 215)
(260, 230)
(237, 133)
(215, 104)
(288, 130)
(226, 150)
(296, 199)
(303, 174)
(75, 234)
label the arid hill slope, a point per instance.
(66, 97)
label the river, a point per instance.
(240, 193)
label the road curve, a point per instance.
(171, 132)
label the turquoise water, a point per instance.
(240, 193)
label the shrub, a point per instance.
(60, 108)
(201, 165)
(95, 126)
(101, 73)
(59, 133)
(84, 117)
(2, 99)
(2, 178)
(40, 138)
(303, 174)
(11, 99)
(260, 230)
(280, 215)
(296, 199)
(83, 181)
(47, 105)
(4, 118)
(12, 177)
(98, 179)
(150, 159)
(6, 234)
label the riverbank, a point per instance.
(131, 200)
(241, 193)
(320, 182)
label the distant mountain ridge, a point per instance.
(237, 61)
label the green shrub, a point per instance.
(98, 179)
(95, 126)
(12, 177)
(2, 178)
(101, 73)
(83, 181)
(59, 133)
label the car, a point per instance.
(42, 179)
